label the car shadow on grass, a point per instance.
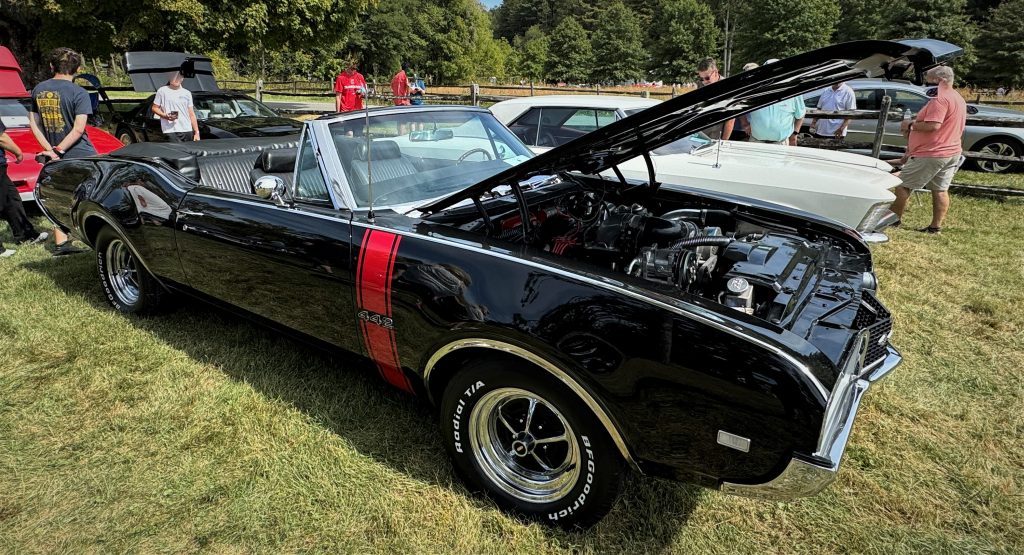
(344, 395)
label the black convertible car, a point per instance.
(568, 323)
(220, 114)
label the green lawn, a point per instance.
(197, 431)
(1014, 180)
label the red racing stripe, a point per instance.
(373, 274)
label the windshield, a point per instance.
(685, 145)
(13, 112)
(229, 107)
(421, 155)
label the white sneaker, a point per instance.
(42, 237)
(7, 253)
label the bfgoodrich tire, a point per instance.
(127, 285)
(530, 443)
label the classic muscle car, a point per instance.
(15, 102)
(850, 188)
(568, 326)
(220, 114)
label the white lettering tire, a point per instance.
(530, 443)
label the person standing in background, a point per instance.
(707, 73)
(11, 208)
(835, 98)
(778, 123)
(349, 89)
(171, 102)
(60, 110)
(934, 150)
(401, 88)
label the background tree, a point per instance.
(863, 19)
(685, 34)
(937, 19)
(513, 16)
(569, 53)
(782, 28)
(533, 53)
(1001, 47)
(617, 42)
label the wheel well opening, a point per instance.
(445, 368)
(91, 228)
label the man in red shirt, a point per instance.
(933, 147)
(349, 89)
(400, 86)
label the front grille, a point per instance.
(874, 318)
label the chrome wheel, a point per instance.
(122, 272)
(998, 148)
(524, 445)
(126, 138)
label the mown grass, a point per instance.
(1012, 180)
(197, 431)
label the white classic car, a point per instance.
(853, 189)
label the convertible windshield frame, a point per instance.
(231, 99)
(415, 153)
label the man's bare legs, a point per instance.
(900, 204)
(940, 205)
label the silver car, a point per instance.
(1004, 141)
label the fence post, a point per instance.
(599, 88)
(259, 90)
(531, 87)
(645, 94)
(883, 115)
(673, 90)
(474, 94)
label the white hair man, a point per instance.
(933, 147)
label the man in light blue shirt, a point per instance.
(778, 123)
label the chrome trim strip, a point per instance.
(803, 478)
(874, 238)
(542, 363)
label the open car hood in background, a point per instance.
(11, 85)
(674, 119)
(151, 70)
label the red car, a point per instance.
(14, 104)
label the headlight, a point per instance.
(873, 217)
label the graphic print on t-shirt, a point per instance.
(49, 110)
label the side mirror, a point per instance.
(273, 188)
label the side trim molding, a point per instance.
(547, 366)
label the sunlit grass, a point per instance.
(196, 430)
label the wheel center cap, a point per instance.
(523, 443)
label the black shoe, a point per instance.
(931, 230)
(66, 248)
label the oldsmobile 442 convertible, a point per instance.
(567, 325)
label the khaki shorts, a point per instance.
(934, 174)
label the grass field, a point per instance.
(196, 431)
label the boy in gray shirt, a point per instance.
(58, 118)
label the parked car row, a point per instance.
(568, 321)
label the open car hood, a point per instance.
(151, 70)
(668, 121)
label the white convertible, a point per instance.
(853, 189)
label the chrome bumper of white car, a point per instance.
(804, 477)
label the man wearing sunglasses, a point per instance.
(707, 73)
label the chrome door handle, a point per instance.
(186, 213)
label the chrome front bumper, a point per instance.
(806, 477)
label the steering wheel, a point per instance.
(473, 151)
(547, 139)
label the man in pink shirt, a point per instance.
(933, 147)
(400, 86)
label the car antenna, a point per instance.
(718, 153)
(369, 166)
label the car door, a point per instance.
(146, 125)
(289, 264)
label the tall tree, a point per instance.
(533, 53)
(619, 53)
(512, 16)
(937, 19)
(1001, 47)
(686, 33)
(863, 19)
(781, 28)
(569, 53)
